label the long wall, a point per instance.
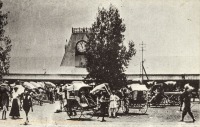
(76, 77)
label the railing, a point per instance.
(81, 30)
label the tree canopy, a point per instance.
(106, 55)
(5, 44)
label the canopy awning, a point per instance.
(170, 82)
(101, 87)
(77, 86)
(137, 87)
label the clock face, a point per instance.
(80, 46)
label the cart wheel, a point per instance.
(178, 101)
(164, 102)
(123, 109)
(126, 111)
(74, 113)
(143, 108)
(88, 113)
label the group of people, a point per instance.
(9, 94)
(54, 94)
(185, 98)
(109, 102)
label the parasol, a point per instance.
(36, 85)
(20, 89)
(28, 85)
(41, 84)
(49, 84)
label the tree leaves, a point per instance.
(5, 46)
(106, 56)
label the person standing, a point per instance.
(181, 100)
(113, 104)
(61, 99)
(4, 103)
(14, 112)
(51, 96)
(27, 104)
(187, 104)
(9, 90)
(103, 104)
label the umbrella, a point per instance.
(20, 89)
(35, 84)
(101, 87)
(77, 85)
(41, 84)
(28, 85)
(49, 84)
(138, 87)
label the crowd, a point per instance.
(17, 97)
(108, 102)
(18, 100)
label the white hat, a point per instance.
(186, 86)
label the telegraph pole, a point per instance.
(142, 49)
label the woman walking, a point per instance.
(14, 112)
(27, 104)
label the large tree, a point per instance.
(5, 44)
(106, 55)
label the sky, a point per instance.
(170, 29)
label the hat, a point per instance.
(186, 86)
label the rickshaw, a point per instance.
(97, 93)
(79, 102)
(157, 96)
(137, 98)
(165, 94)
(172, 93)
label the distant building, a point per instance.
(75, 49)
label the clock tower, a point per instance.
(75, 49)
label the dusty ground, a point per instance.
(45, 116)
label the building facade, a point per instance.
(75, 48)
